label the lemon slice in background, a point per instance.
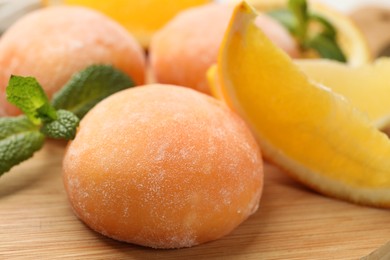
(317, 136)
(141, 18)
(350, 38)
(367, 87)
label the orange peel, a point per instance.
(316, 135)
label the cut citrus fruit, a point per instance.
(366, 86)
(314, 134)
(141, 18)
(350, 38)
(212, 79)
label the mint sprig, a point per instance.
(326, 48)
(64, 127)
(21, 137)
(89, 87)
(298, 20)
(27, 94)
(19, 140)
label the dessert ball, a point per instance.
(163, 166)
(51, 44)
(183, 50)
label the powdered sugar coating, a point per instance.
(163, 166)
(53, 43)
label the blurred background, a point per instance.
(371, 16)
(352, 5)
(9, 9)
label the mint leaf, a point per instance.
(12, 125)
(327, 48)
(64, 127)
(27, 94)
(88, 87)
(19, 139)
(21, 136)
(328, 29)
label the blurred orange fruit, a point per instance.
(142, 18)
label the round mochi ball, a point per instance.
(183, 50)
(163, 166)
(53, 43)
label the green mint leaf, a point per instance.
(27, 94)
(327, 48)
(88, 87)
(12, 125)
(327, 29)
(64, 127)
(21, 136)
(286, 18)
(19, 139)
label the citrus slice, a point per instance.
(366, 86)
(351, 40)
(212, 79)
(314, 134)
(141, 18)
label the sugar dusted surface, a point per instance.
(186, 63)
(163, 166)
(53, 43)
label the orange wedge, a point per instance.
(316, 135)
(212, 79)
(367, 87)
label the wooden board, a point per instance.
(36, 222)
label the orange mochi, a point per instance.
(163, 166)
(183, 50)
(53, 43)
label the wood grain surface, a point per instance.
(36, 222)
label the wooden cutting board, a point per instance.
(36, 222)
